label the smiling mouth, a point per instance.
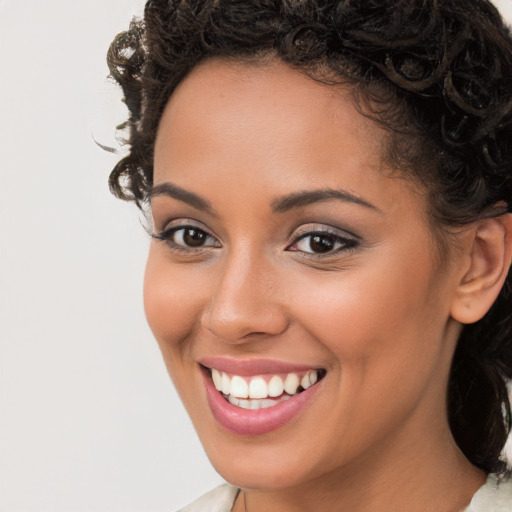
(263, 391)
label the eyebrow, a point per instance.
(279, 205)
(171, 190)
(307, 197)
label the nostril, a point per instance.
(239, 323)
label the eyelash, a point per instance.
(167, 236)
(344, 243)
(339, 243)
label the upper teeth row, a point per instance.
(258, 387)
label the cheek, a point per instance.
(383, 324)
(173, 301)
(384, 334)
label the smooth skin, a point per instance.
(237, 273)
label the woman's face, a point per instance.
(287, 253)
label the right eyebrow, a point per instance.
(170, 190)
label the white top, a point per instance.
(491, 497)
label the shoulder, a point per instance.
(220, 499)
(493, 496)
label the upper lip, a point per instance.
(247, 367)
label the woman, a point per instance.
(329, 184)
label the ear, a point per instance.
(487, 260)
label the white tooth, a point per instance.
(275, 386)
(305, 382)
(233, 400)
(217, 379)
(313, 376)
(226, 384)
(254, 404)
(258, 388)
(268, 403)
(291, 383)
(244, 404)
(239, 387)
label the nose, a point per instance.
(245, 301)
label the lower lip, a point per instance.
(255, 422)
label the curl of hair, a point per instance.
(436, 73)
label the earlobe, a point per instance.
(488, 260)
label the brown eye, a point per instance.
(322, 243)
(187, 238)
(192, 237)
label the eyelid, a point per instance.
(349, 240)
(175, 225)
(182, 222)
(312, 228)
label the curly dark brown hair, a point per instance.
(436, 73)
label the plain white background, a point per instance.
(89, 420)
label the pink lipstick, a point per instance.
(254, 397)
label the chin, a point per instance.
(273, 474)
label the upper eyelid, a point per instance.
(340, 233)
(183, 222)
(297, 233)
(347, 240)
(167, 234)
(174, 229)
(341, 239)
(176, 224)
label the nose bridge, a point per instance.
(245, 300)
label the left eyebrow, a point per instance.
(307, 197)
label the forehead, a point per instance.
(218, 95)
(269, 127)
